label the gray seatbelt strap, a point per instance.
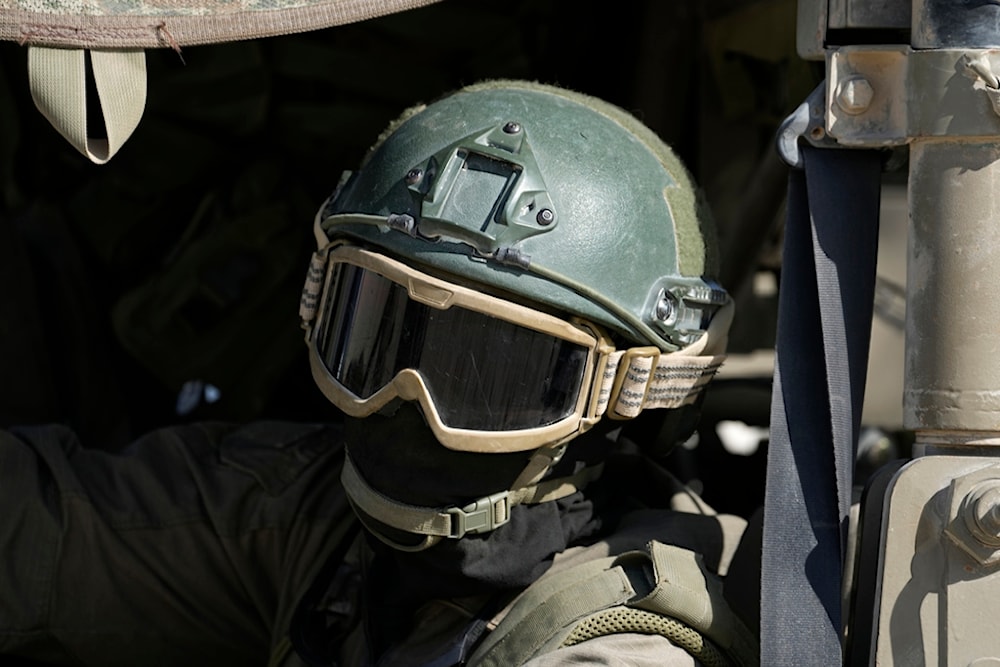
(824, 327)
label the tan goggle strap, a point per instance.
(640, 378)
(480, 516)
(309, 303)
(635, 379)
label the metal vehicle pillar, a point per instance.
(938, 94)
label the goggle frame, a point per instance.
(410, 386)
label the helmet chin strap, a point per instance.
(652, 379)
(480, 516)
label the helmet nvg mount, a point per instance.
(520, 259)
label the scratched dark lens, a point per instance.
(482, 373)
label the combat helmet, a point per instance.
(521, 260)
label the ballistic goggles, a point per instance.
(490, 375)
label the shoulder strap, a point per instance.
(663, 590)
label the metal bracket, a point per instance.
(807, 122)
(893, 95)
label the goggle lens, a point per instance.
(482, 372)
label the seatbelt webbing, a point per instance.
(824, 328)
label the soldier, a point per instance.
(516, 275)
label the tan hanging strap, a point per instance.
(58, 79)
(61, 34)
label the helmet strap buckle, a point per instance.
(480, 516)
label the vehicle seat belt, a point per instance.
(824, 327)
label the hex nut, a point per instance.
(973, 522)
(854, 95)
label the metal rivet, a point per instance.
(413, 176)
(545, 216)
(512, 127)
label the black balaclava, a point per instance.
(400, 457)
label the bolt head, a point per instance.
(972, 522)
(512, 127)
(545, 216)
(854, 95)
(665, 308)
(414, 176)
(982, 512)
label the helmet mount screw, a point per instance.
(545, 216)
(414, 176)
(665, 308)
(512, 127)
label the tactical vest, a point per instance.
(663, 590)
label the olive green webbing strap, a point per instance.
(548, 606)
(482, 515)
(683, 603)
(58, 79)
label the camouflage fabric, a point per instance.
(70, 86)
(104, 24)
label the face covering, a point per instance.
(399, 456)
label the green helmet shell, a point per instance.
(557, 197)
